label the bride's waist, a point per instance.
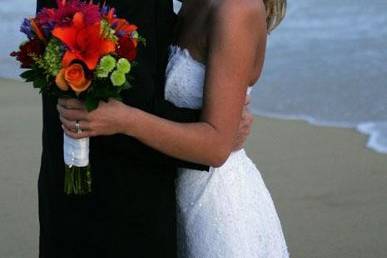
(235, 159)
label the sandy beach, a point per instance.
(20, 149)
(330, 191)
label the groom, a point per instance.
(131, 211)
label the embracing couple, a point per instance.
(170, 177)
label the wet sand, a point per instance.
(330, 191)
(20, 149)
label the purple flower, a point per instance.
(47, 28)
(114, 24)
(27, 29)
(104, 9)
(120, 33)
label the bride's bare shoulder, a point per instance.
(241, 8)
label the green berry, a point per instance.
(102, 74)
(107, 64)
(123, 65)
(135, 35)
(118, 78)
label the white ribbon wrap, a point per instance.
(176, 6)
(76, 152)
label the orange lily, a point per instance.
(85, 43)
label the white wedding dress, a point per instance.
(226, 212)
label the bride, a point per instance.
(219, 53)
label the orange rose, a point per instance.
(60, 80)
(72, 76)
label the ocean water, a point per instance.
(326, 64)
(12, 14)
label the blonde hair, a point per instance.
(275, 11)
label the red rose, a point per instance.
(34, 47)
(127, 48)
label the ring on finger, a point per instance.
(78, 128)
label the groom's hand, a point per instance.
(244, 126)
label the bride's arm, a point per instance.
(230, 69)
(238, 36)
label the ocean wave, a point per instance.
(377, 132)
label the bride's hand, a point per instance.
(107, 119)
(244, 126)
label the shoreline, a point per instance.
(365, 128)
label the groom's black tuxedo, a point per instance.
(131, 212)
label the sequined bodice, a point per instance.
(185, 79)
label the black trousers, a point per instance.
(131, 212)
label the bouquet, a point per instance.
(78, 50)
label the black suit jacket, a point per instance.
(131, 211)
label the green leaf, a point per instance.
(39, 83)
(28, 75)
(127, 85)
(91, 103)
(142, 40)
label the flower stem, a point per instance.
(77, 180)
